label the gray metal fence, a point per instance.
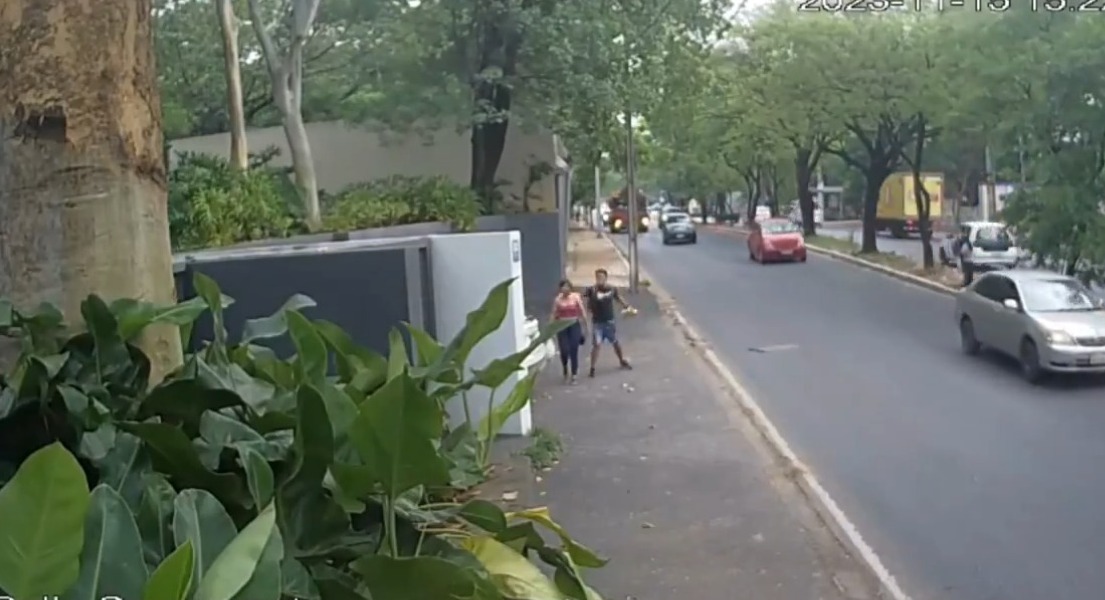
(366, 287)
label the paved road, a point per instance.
(971, 484)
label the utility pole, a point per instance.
(991, 187)
(596, 215)
(631, 196)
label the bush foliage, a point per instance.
(400, 200)
(212, 205)
(247, 476)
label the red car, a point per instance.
(776, 240)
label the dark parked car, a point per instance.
(678, 228)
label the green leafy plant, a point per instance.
(544, 450)
(400, 200)
(244, 475)
(211, 204)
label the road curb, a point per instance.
(822, 503)
(863, 263)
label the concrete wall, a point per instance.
(542, 263)
(346, 154)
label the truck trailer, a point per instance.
(897, 208)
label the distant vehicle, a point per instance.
(993, 247)
(670, 215)
(897, 208)
(678, 228)
(618, 221)
(1050, 323)
(776, 240)
(762, 213)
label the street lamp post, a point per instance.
(631, 197)
(596, 215)
(989, 206)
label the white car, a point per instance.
(992, 247)
(1049, 322)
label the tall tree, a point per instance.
(489, 66)
(875, 91)
(285, 68)
(790, 73)
(82, 175)
(228, 26)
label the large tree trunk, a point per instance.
(752, 187)
(488, 142)
(771, 184)
(82, 172)
(873, 180)
(804, 161)
(498, 48)
(228, 23)
(921, 196)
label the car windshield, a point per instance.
(676, 218)
(1057, 295)
(777, 227)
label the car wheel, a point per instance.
(967, 339)
(1030, 362)
(666, 241)
(694, 239)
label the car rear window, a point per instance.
(993, 238)
(780, 227)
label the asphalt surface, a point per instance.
(662, 474)
(970, 484)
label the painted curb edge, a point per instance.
(822, 503)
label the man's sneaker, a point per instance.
(591, 373)
(626, 365)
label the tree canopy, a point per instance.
(866, 95)
(570, 67)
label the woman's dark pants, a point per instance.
(569, 340)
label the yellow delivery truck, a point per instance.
(897, 209)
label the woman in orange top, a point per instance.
(569, 306)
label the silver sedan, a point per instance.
(1048, 322)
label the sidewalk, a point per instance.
(662, 474)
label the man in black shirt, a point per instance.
(600, 303)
